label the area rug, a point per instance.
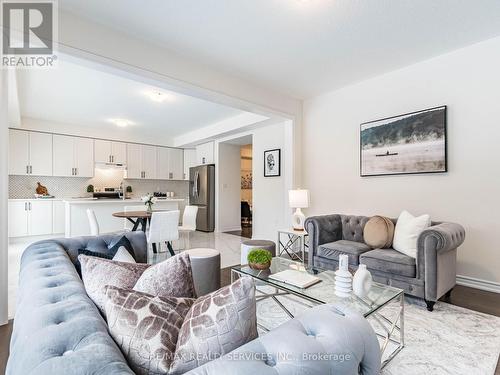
(449, 340)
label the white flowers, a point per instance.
(149, 200)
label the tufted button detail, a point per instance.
(68, 352)
(270, 361)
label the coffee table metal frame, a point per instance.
(391, 329)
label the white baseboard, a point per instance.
(472, 282)
(229, 229)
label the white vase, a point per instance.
(362, 281)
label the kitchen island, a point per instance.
(77, 224)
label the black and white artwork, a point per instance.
(405, 144)
(272, 163)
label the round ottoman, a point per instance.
(249, 245)
(205, 265)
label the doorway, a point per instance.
(235, 174)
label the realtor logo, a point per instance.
(29, 31)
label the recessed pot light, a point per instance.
(159, 96)
(121, 122)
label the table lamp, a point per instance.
(298, 199)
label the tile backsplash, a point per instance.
(23, 187)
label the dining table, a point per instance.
(137, 218)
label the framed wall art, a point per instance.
(405, 144)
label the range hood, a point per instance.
(111, 166)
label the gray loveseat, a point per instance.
(59, 331)
(431, 275)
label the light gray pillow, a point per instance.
(99, 272)
(145, 328)
(171, 278)
(215, 325)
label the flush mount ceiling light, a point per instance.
(121, 122)
(159, 96)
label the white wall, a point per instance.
(4, 191)
(229, 182)
(270, 194)
(468, 81)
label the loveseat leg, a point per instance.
(430, 305)
(448, 294)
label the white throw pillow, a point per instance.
(408, 228)
(122, 255)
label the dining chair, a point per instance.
(188, 224)
(164, 227)
(94, 224)
(127, 224)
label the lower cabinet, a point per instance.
(31, 218)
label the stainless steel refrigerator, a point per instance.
(202, 194)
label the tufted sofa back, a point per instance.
(57, 328)
(353, 227)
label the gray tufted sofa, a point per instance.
(431, 275)
(59, 331)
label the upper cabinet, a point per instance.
(205, 153)
(110, 152)
(73, 156)
(170, 163)
(141, 161)
(30, 153)
(189, 161)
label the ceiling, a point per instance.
(301, 47)
(75, 94)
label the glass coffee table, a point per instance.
(389, 327)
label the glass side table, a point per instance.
(289, 240)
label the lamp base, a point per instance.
(298, 219)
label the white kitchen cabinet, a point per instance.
(149, 162)
(30, 153)
(205, 153)
(30, 218)
(189, 161)
(63, 155)
(18, 218)
(73, 156)
(163, 160)
(84, 157)
(40, 218)
(58, 217)
(176, 164)
(110, 152)
(119, 152)
(141, 161)
(170, 163)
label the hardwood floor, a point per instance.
(5, 333)
(469, 298)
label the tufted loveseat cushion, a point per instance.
(323, 340)
(57, 328)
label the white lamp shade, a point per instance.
(298, 198)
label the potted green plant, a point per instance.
(90, 189)
(259, 259)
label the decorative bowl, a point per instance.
(260, 266)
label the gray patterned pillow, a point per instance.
(99, 272)
(145, 327)
(215, 325)
(170, 278)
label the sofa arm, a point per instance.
(321, 230)
(323, 340)
(443, 237)
(437, 258)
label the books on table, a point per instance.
(296, 278)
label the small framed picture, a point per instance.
(272, 163)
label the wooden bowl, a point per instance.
(260, 266)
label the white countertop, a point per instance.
(94, 200)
